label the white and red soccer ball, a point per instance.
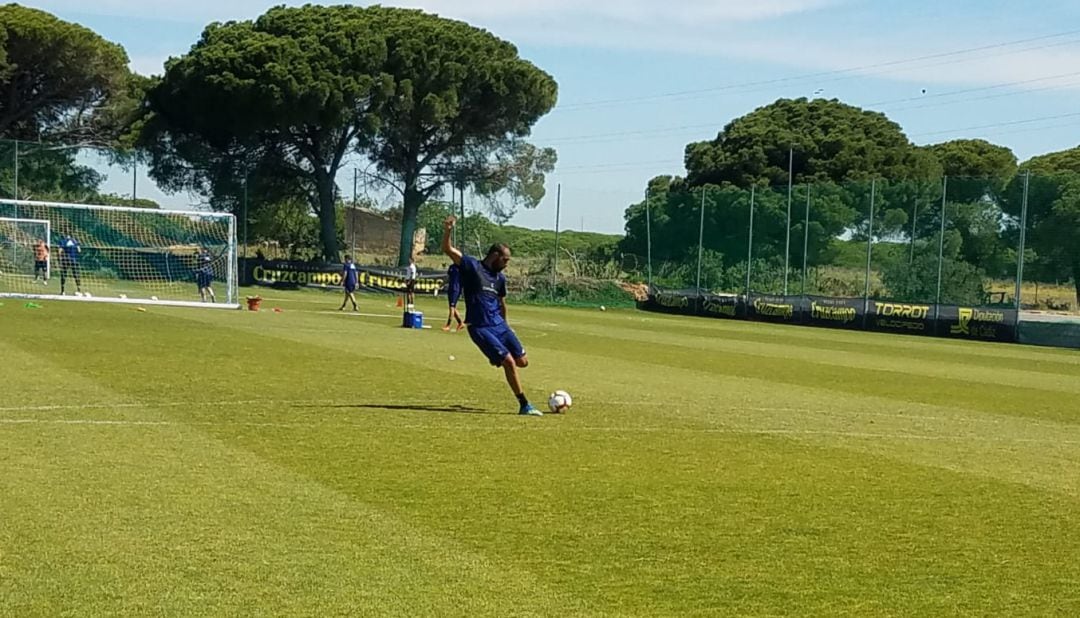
(559, 402)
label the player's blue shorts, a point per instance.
(204, 279)
(496, 342)
(453, 295)
(350, 287)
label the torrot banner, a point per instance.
(979, 323)
(286, 274)
(907, 318)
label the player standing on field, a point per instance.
(484, 285)
(410, 282)
(69, 262)
(453, 294)
(41, 261)
(350, 278)
(204, 276)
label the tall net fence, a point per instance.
(953, 241)
(963, 241)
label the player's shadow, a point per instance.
(407, 408)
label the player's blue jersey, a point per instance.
(483, 289)
(70, 247)
(453, 279)
(204, 262)
(350, 275)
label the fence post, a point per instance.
(558, 213)
(914, 218)
(869, 248)
(787, 243)
(750, 242)
(806, 239)
(356, 202)
(1023, 239)
(16, 196)
(941, 246)
(245, 209)
(648, 236)
(701, 237)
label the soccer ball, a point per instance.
(559, 402)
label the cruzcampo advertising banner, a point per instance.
(286, 274)
(692, 302)
(834, 312)
(780, 309)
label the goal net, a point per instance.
(24, 249)
(117, 254)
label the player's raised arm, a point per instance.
(447, 247)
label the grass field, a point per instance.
(188, 462)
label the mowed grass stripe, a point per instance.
(677, 522)
(665, 522)
(167, 520)
(999, 447)
(779, 348)
(844, 379)
(992, 355)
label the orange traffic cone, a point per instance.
(400, 302)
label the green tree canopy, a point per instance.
(297, 91)
(286, 96)
(463, 101)
(61, 81)
(829, 141)
(1053, 210)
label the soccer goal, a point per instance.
(22, 243)
(117, 254)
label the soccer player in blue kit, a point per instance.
(204, 275)
(69, 262)
(350, 278)
(484, 286)
(453, 294)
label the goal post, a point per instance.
(21, 241)
(118, 254)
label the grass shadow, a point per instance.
(458, 409)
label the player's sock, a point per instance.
(523, 400)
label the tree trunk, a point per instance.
(327, 211)
(410, 209)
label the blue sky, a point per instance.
(639, 79)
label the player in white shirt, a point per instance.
(410, 282)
